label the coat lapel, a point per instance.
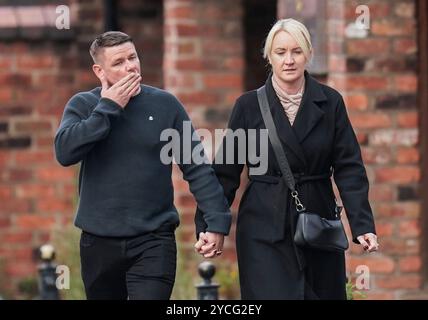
(309, 113)
(307, 117)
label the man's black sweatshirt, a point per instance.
(125, 189)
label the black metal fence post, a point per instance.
(206, 289)
(47, 274)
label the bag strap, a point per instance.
(277, 147)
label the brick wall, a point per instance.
(378, 76)
(203, 67)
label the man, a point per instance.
(126, 209)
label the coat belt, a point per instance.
(299, 177)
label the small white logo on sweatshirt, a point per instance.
(150, 118)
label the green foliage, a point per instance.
(28, 288)
(228, 279)
(4, 290)
(66, 243)
(352, 293)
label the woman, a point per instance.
(318, 139)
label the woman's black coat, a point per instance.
(321, 140)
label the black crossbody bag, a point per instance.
(312, 230)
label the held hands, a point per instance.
(369, 242)
(210, 244)
(122, 90)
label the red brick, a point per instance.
(409, 228)
(384, 229)
(55, 174)
(376, 155)
(189, 64)
(19, 175)
(336, 63)
(53, 205)
(400, 137)
(222, 81)
(381, 192)
(186, 30)
(20, 237)
(356, 102)
(6, 95)
(366, 82)
(29, 221)
(200, 98)
(399, 174)
(406, 209)
(222, 47)
(44, 142)
(182, 12)
(33, 127)
(399, 246)
(4, 223)
(410, 264)
(15, 206)
(6, 62)
(23, 158)
(399, 282)
(375, 264)
(20, 269)
(5, 192)
(384, 295)
(235, 63)
(408, 155)
(370, 120)
(30, 62)
(408, 119)
(35, 191)
(406, 83)
(186, 48)
(368, 47)
(393, 27)
(362, 138)
(405, 45)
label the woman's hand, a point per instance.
(369, 242)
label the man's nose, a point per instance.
(131, 67)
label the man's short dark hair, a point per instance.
(107, 39)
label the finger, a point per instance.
(133, 87)
(363, 242)
(207, 248)
(373, 245)
(211, 254)
(198, 245)
(124, 80)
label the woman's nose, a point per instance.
(288, 59)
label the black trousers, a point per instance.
(134, 268)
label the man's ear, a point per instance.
(98, 70)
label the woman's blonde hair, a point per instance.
(297, 30)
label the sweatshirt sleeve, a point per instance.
(350, 176)
(80, 128)
(201, 177)
(228, 174)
